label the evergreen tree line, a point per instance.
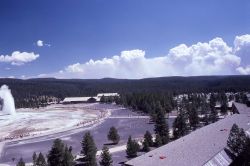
(148, 103)
(193, 104)
(194, 111)
(26, 92)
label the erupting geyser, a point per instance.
(7, 104)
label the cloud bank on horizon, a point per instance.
(209, 58)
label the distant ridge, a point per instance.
(85, 87)
(147, 78)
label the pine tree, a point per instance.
(70, 149)
(68, 157)
(153, 116)
(161, 127)
(244, 99)
(132, 148)
(56, 154)
(205, 111)
(180, 127)
(89, 149)
(34, 158)
(232, 139)
(242, 139)
(41, 160)
(246, 152)
(193, 118)
(21, 162)
(213, 115)
(206, 119)
(224, 104)
(149, 138)
(106, 158)
(237, 97)
(212, 101)
(113, 135)
(145, 146)
(236, 140)
(158, 140)
(102, 99)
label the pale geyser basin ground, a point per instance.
(50, 119)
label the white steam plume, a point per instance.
(8, 100)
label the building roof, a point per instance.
(204, 146)
(242, 108)
(107, 94)
(78, 99)
(220, 159)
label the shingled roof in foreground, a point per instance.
(204, 146)
(241, 108)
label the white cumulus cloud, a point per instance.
(41, 43)
(19, 58)
(242, 49)
(244, 70)
(214, 57)
(241, 42)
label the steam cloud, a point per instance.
(8, 100)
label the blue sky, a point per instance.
(145, 36)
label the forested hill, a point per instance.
(81, 87)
